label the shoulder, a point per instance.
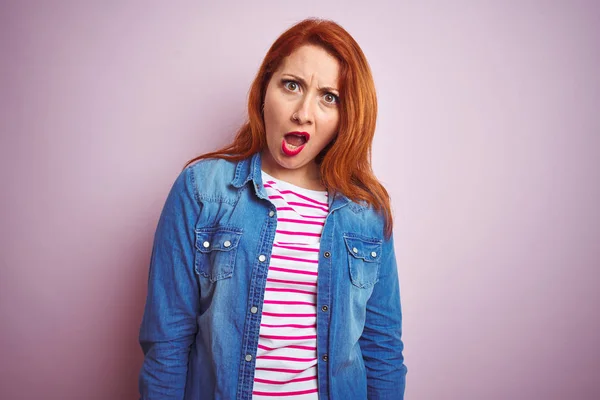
(211, 168)
(362, 219)
(210, 179)
(366, 211)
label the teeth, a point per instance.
(292, 146)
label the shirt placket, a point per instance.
(324, 290)
(260, 268)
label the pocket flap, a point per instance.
(368, 250)
(217, 239)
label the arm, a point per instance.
(381, 342)
(169, 324)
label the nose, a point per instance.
(303, 113)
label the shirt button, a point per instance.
(206, 244)
(325, 358)
(228, 243)
(327, 254)
(324, 308)
(373, 254)
(271, 213)
(254, 310)
(262, 258)
(354, 250)
(248, 357)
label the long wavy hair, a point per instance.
(345, 164)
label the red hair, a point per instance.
(345, 163)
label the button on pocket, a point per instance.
(216, 248)
(364, 259)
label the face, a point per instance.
(301, 114)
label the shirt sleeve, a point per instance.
(381, 340)
(169, 325)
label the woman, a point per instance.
(273, 271)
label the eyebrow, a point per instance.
(303, 82)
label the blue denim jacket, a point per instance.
(202, 318)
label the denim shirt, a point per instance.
(207, 279)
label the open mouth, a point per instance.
(294, 142)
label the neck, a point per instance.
(307, 176)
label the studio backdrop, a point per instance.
(488, 141)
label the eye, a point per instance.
(292, 86)
(331, 98)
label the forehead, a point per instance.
(310, 62)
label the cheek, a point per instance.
(331, 125)
(272, 112)
(269, 118)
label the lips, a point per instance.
(294, 142)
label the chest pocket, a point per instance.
(216, 249)
(364, 258)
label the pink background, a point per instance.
(488, 140)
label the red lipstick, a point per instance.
(293, 142)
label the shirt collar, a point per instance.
(246, 170)
(249, 169)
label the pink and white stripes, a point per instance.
(286, 362)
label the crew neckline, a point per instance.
(291, 185)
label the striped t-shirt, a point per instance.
(286, 361)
